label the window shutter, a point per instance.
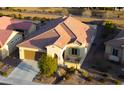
(78, 52)
(70, 51)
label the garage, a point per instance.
(32, 55)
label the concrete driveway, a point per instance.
(26, 70)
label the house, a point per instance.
(23, 26)
(66, 39)
(12, 32)
(8, 41)
(114, 49)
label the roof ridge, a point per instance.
(69, 30)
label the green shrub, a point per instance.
(1, 14)
(67, 76)
(71, 70)
(3, 73)
(28, 18)
(19, 16)
(47, 65)
(117, 82)
(84, 73)
(109, 28)
(89, 78)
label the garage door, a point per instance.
(32, 55)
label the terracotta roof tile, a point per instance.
(4, 35)
(10, 23)
(42, 40)
(68, 30)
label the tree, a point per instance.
(47, 65)
(19, 16)
(1, 14)
(109, 29)
(27, 17)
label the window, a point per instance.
(74, 51)
(115, 52)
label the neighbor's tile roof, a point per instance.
(68, 30)
(10, 23)
(4, 35)
(7, 24)
(118, 41)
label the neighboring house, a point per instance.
(66, 39)
(114, 49)
(23, 26)
(12, 32)
(8, 41)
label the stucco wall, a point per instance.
(122, 55)
(109, 50)
(51, 50)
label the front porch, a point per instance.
(72, 58)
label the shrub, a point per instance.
(109, 28)
(3, 73)
(67, 76)
(1, 14)
(28, 17)
(84, 73)
(19, 16)
(117, 82)
(47, 65)
(71, 70)
(89, 78)
(36, 18)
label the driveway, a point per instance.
(26, 70)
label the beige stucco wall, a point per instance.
(109, 50)
(51, 50)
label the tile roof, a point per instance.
(10, 23)
(68, 30)
(4, 35)
(118, 41)
(42, 40)
(7, 24)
